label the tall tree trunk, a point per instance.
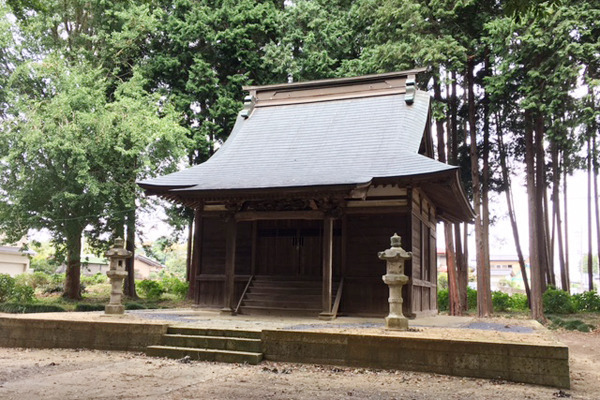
(595, 178)
(485, 187)
(567, 273)
(72, 289)
(483, 306)
(537, 310)
(511, 210)
(549, 241)
(556, 206)
(589, 225)
(540, 188)
(129, 283)
(462, 265)
(453, 294)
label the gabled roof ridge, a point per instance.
(335, 81)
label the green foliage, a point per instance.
(570, 324)
(22, 294)
(151, 290)
(175, 286)
(501, 301)
(20, 308)
(443, 301)
(95, 279)
(34, 280)
(557, 302)
(442, 280)
(471, 298)
(518, 302)
(7, 284)
(587, 301)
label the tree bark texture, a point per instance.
(565, 204)
(483, 284)
(556, 206)
(72, 288)
(590, 272)
(595, 178)
(537, 310)
(485, 187)
(129, 283)
(453, 294)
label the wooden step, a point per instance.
(280, 296)
(213, 342)
(272, 310)
(204, 354)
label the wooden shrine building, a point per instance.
(315, 177)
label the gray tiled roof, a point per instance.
(339, 142)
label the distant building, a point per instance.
(13, 260)
(505, 272)
(144, 267)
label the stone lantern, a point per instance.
(117, 256)
(395, 257)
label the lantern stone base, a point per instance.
(114, 309)
(396, 323)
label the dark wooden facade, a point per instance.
(291, 246)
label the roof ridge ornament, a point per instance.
(249, 103)
(409, 97)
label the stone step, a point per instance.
(213, 342)
(235, 333)
(204, 354)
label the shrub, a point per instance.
(22, 294)
(443, 301)
(57, 278)
(95, 279)
(18, 308)
(151, 289)
(557, 302)
(443, 280)
(570, 324)
(471, 298)
(587, 301)
(501, 301)
(54, 288)
(134, 306)
(518, 302)
(7, 283)
(89, 307)
(175, 286)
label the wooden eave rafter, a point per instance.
(439, 187)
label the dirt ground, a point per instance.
(82, 374)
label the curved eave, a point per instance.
(450, 198)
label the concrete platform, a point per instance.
(515, 350)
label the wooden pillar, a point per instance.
(327, 267)
(230, 245)
(196, 256)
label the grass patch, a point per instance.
(570, 324)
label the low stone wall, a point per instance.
(100, 335)
(546, 365)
